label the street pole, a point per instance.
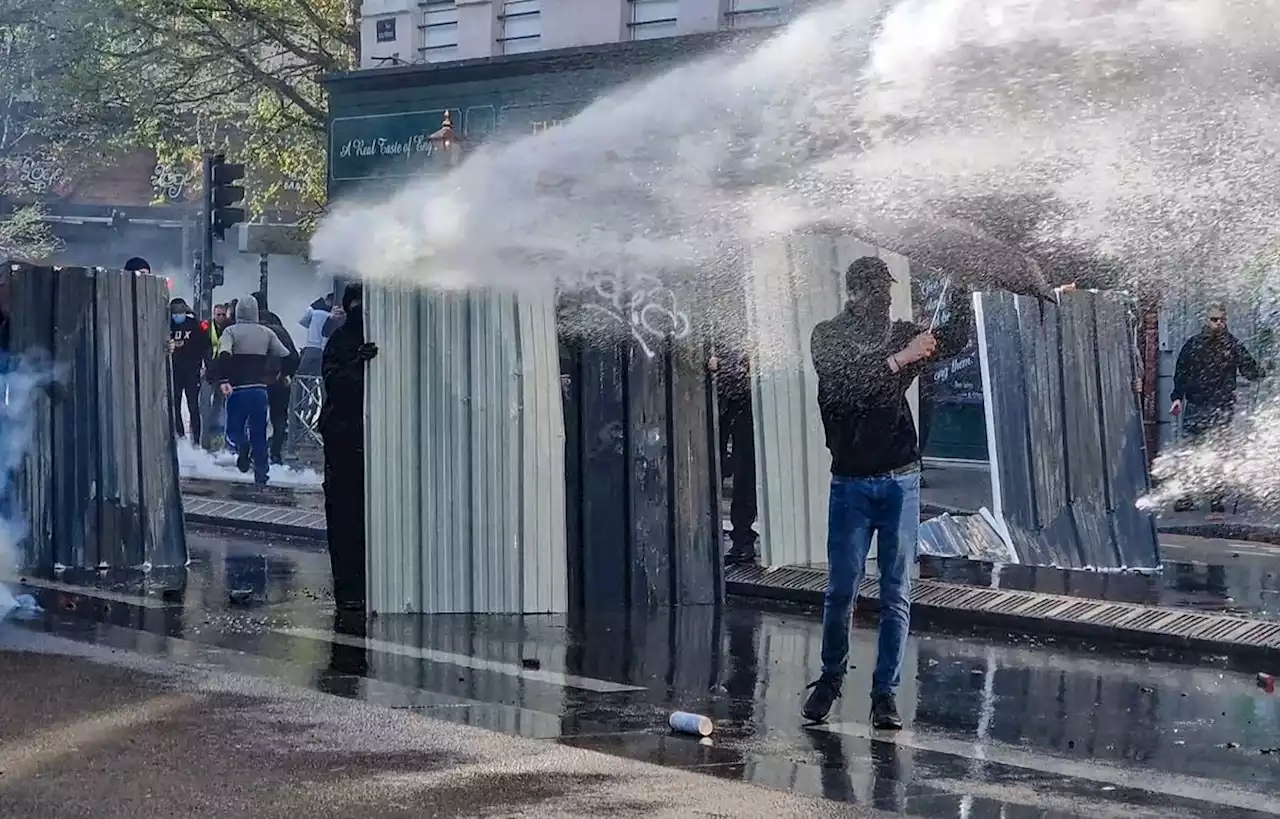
(262, 274)
(206, 239)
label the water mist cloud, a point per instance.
(1141, 127)
(21, 381)
(1241, 460)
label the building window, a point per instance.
(521, 26)
(439, 30)
(653, 18)
(386, 30)
(753, 13)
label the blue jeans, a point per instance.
(887, 506)
(247, 409)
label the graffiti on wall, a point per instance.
(169, 182)
(640, 305)
(39, 174)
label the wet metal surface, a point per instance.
(1064, 432)
(99, 482)
(995, 729)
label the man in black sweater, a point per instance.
(192, 351)
(865, 364)
(1204, 387)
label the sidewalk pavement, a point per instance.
(98, 734)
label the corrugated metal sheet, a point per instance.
(972, 537)
(640, 474)
(100, 482)
(464, 453)
(1065, 432)
(793, 285)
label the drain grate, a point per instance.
(238, 514)
(1033, 610)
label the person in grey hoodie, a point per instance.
(314, 320)
(249, 359)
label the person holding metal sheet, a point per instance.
(342, 429)
(865, 364)
(1204, 387)
(249, 359)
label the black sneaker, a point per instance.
(884, 713)
(242, 460)
(826, 690)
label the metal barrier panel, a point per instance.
(31, 336)
(464, 454)
(163, 532)
(99, 485)
(640, 475)
(1067, 461)
(792, 286)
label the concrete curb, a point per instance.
(258, 526)
(947, 605)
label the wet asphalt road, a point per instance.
(105, 736)
(995, 729)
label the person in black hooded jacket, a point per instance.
(342, 429)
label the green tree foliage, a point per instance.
(182, 76)
(24, 234)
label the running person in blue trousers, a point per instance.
(249, 358)
(865, 364)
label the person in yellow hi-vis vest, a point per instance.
(217, 402)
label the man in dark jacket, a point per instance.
(342, 428)
(865, 364)
(279, 389)
(191, 350)
(1204, 385)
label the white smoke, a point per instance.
(1143, 127)
(194, 462)
(21, 380)
(1141, 131)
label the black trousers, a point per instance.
(278, 407)
(344, 518)
(187, 384)
(737, 427)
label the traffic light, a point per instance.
(217, 277)
(221, 194)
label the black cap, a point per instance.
(865, 271)
(137, 263)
